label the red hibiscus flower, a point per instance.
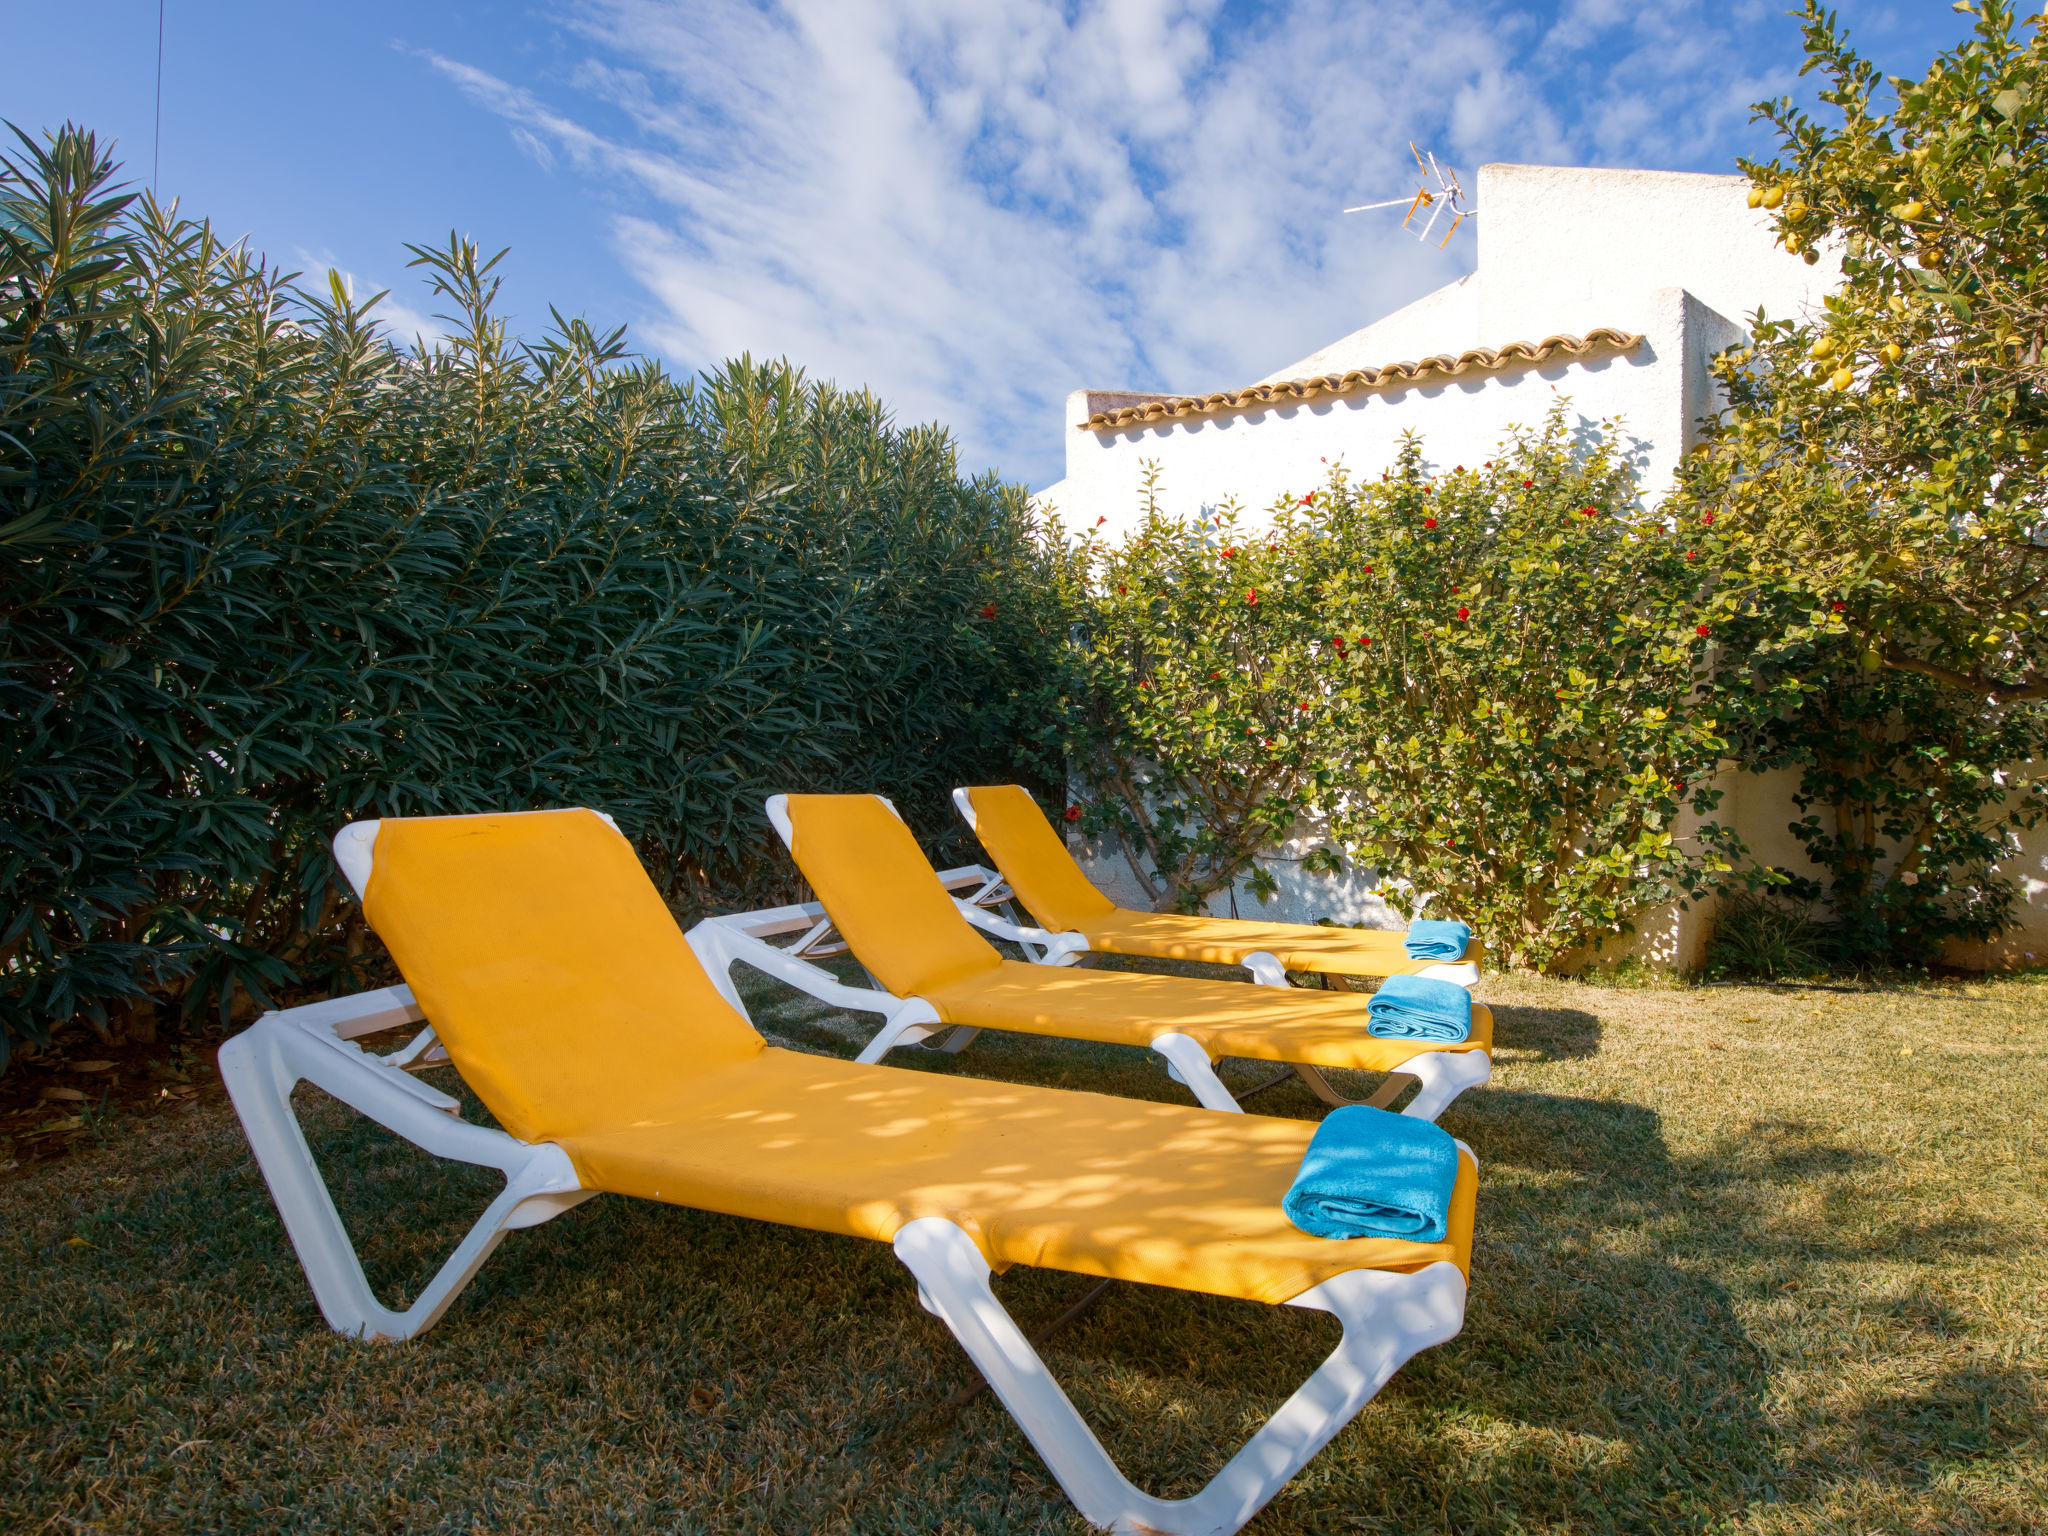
(1073, 813)
(1678, 788)
(1692, 554)
(1429, 522)
(1836, 607)
(1589, 511)
(1464, 613)
(1707, 518)
(1252, 598)
(989, 611)
(1701, 630)
(1100, 521)
(1143, 684)
(1365, 640)
(1528, 485)
(1120, 587)
(1368, 570)
(1230, 551)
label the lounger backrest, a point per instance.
(882, 893)
(549, 966)
(1033, 859)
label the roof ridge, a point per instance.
(1479, 359)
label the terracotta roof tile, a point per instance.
(1478, 360)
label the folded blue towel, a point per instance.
(1372, 1173)
(1428, 940)
(1420, 1008)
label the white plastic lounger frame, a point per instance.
(1388, 1318)
(1266, 968)
(743, 936)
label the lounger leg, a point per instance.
(1187, 1062)
(261, 1066)
(1387, 1318)
(1266, 969)
(1444, 1075)
(914, 1021)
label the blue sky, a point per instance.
(970, 206)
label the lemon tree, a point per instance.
(1878, 477)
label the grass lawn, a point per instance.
(1743, 1264)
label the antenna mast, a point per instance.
(1448, 195)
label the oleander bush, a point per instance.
(266, 572)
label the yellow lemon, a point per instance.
(1825, 347)
(1892, 352)
(1842, 379)
(1775, 196)
(1914, 211)
(1756, 197)
(1795, 213)
(1930, 258)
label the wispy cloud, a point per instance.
(974, 208)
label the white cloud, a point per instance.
(974, 208)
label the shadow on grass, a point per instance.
(1543, 1034)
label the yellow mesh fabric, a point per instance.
(570, 1002)
(549, 967)
(1156, 1193)
(1033, 859)
(1227, 1018)
(1226, 941)
(883, 895)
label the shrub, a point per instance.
(1203, 728)
(1485, 684)
(268, 573)
(1891, 453)
(1762, 935)
(1911, 793)
(1522, 674)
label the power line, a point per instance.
(156, 149)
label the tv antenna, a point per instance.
(1448, 195)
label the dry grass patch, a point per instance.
(1742, 1265)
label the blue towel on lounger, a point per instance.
(1372, 1173)
(1428, 940)
(1420, 1008)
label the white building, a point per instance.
(1610, 288)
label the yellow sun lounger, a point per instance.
(932, 970)
(553, 977)
(1036, 866)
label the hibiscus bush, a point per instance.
(1203, 727)
(1519, 652)
(1486, 685)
